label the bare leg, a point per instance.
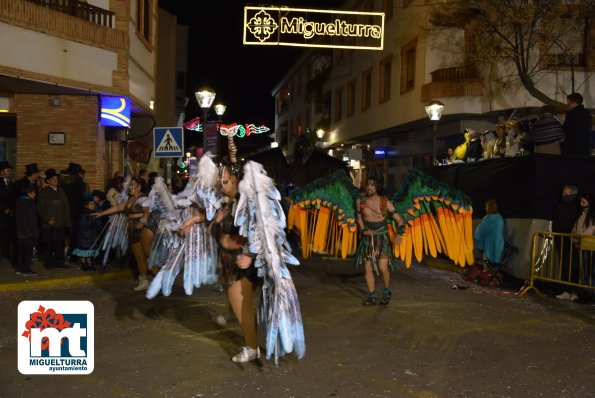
(385, 275)
(369, 275)
(146, 238)
(240, 296)
(141, 260)
(384, 272)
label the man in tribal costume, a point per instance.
(373, 215)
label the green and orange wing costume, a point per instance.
(438, 219)
(323, 212)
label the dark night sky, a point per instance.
(242, 76)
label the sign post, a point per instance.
(168, 142)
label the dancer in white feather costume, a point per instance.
(244, 216)
(128, 225)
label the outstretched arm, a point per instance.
(112, 210)
(197, 218)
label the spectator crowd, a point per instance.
(50, 216)
(541, 134)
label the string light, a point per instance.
(237, 130)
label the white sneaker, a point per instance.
(247, 354)
(143, 284)
(564, 296)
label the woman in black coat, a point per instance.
(89, 230)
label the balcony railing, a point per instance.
(38, 16)
(459, 81)
(81, 10)
(456, 73)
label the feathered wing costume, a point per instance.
(438, 219)
(196, 251)
(323, 211)
(261, 220)
(115, 233)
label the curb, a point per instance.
(63, 281)
(447, 266)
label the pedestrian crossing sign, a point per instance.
(168, 142)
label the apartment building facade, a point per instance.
(58, 58)
(376, 99)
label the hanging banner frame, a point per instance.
(301, 27)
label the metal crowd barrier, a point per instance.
(565, 259)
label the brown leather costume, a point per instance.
(230, 272)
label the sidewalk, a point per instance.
(11, 281)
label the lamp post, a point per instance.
(205, 97)
(320, 132)
(434, 110)
(220, 110)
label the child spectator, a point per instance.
(89, 229)
(100, 200)
(27, 230)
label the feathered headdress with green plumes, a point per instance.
(323, 211)
(437, 217)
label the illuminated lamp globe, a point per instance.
(205, 97)
(220, 109)
(434, 110)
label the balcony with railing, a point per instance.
(460, 81)
(69, 19)
(81, 10)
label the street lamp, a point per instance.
(205, 97)
(320, 133)
(434, 110)
(220, 110)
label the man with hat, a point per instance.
(19, 186)
(54, 214)
(74, 188)
(30, 179)
(5, 208)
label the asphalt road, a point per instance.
(431, 341)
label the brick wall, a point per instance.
(77, 118)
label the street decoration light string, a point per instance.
(234, 129)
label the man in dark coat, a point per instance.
(5, 208)
(19, 186)
(565, 215)
(25, 215)
(577, 127)
(74, 188)
(30, 179)
(54, 214)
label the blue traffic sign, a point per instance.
(168, 142)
